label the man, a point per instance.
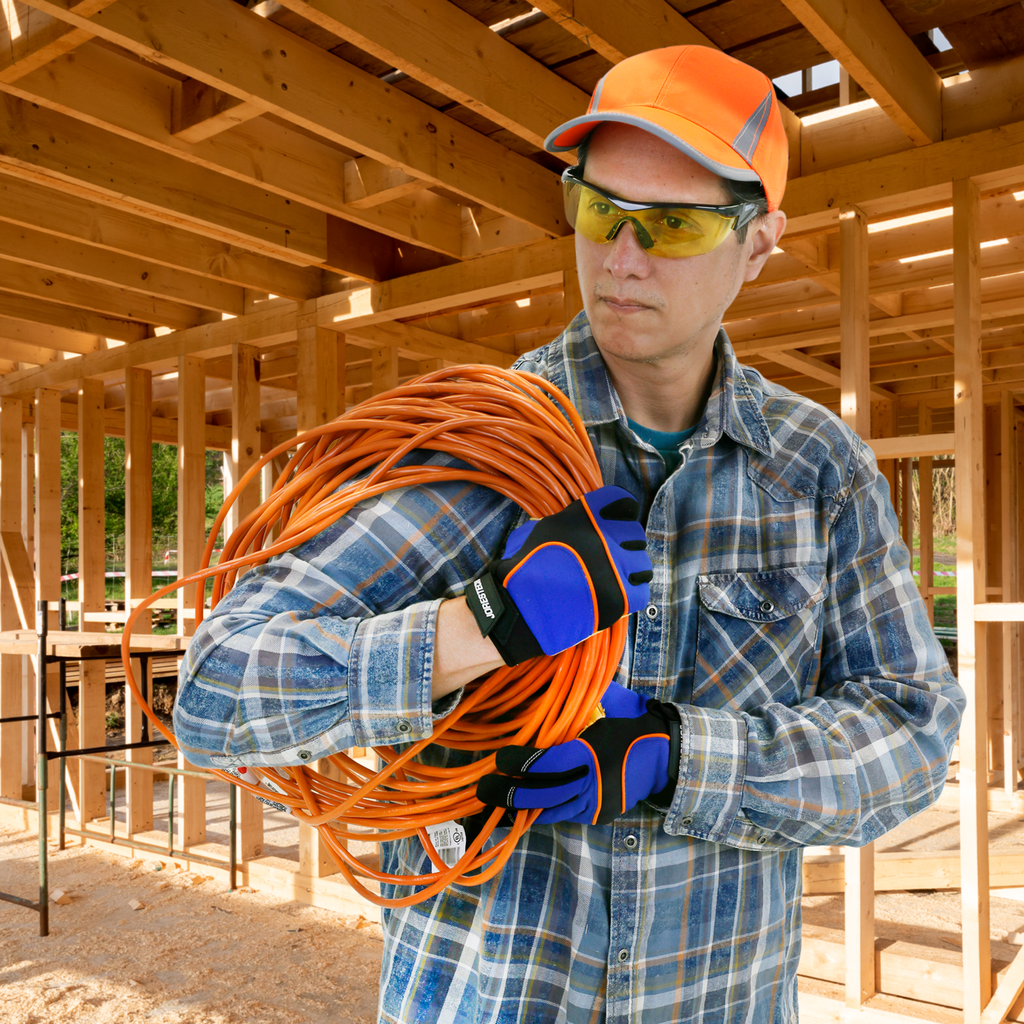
(793, 690)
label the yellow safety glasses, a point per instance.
(663, 229)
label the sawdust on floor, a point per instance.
(195, 953)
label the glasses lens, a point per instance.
(671, 231)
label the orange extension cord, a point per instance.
(524, 440)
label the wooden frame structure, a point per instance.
(221, 220)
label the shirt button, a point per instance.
(767, 607)
(629, 842)
(623, 955)
(404, 726)
(686, 821)
(305, 755)
(763, 838)
(651, 611)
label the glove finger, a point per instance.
(547, 764)
(614, 503)
(502, 791)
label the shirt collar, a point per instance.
(733, 408)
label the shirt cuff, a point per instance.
(389, 677)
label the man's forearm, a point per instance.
(461, 654)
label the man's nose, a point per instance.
(626, 256)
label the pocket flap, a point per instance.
(762, 596)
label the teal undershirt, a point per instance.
(665, 443)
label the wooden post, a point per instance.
(925, 472)
(970, 561)
(10, 664)
(317, 375)
(855, 386)
(383, 369)
(191, 792)
(91, 593)
(245, 451)
(138, 582)
(993, 566)
(907, 504)
(314, 860)
(1009, 520)
(47, 561)
(572, 297)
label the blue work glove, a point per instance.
(630, 755)
(565, 577)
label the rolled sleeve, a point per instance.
(390, 671)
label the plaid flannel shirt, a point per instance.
(817, 708)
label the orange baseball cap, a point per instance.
(717, 110)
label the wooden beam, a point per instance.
(870, 45)
(81, 321)
(429, 41)
(267, 327)
(535, 266)
(970, 528)
(200, 111)
(370, 183)
(619, 30)
(48, 495)
(415, 342)
(77, 219)
(48, 337)
(121, 95)
(911, 446)
(65, 154)
(889, 184)
(1010, 987)
(101, 266)
(41, 39)
(1009, 523)
(310, 87)
(71, 290)
(11, 674)
(91, 592)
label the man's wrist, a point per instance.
(461, 653)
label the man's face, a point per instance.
(643, 308)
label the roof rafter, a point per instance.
(430, 39)
(867, 41)
(311, 87)
(78, 219)
(42, 39)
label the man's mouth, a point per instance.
(624, 304)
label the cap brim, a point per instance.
(696, 142)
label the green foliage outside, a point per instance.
(165, 510)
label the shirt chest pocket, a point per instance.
(758, 637)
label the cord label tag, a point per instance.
(449, 839)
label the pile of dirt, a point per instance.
(192, 953)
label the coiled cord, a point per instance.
(523, 439)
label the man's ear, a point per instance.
(762, 237)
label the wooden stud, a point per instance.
(925, 473)
(46, 486)
(970, 520)
(856, 411)
(1009, 521)
(200, 111)
(138, 543)
(91, 592)
(245, 451)
(854, 316)
(317, 372)
(384, 369)
(993, 565)
(314, 858)
(572, 297)
(10, 664)
(191, 483)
